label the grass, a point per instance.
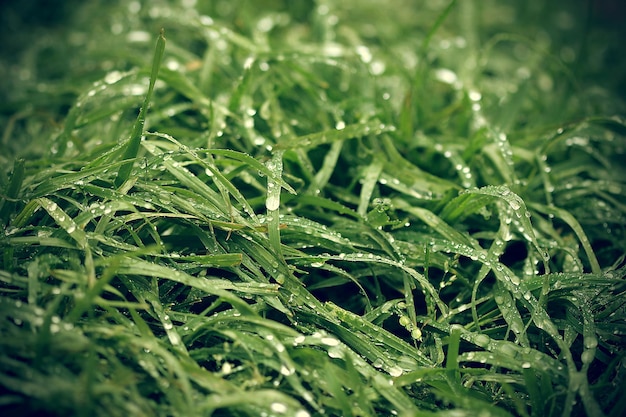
(313, 208)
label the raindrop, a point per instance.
(447, 76)
(377, 67)
(482, 340)
(515, 204)
(278, 408)
(416, 334)
(591, 342)
(330, 341)
(335, 353)
(286, 371)
(507, 350)
(364, 53)
(395, 371)
(272, 202)
(227, 368)
(247, 64)
(588, 355)
(474, 95)
(206, 20)
(138, 36)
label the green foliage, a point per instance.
(313, 208)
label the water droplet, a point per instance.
(588, 355)
(416, 334)
(446, 76)
(335, 353)
(286, 371)
(377, 67)
(206, 20)
(364, 53)
(474, 95)
(395, 371)
(591, 342)
(481, 340)
(507, 350)
(330, 341)
(273, 201)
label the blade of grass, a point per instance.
(12, 190)
(132, 145)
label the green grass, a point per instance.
(313, 208)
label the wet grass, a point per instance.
(299, 208)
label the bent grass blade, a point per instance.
(132, 146)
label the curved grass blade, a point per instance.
(219, 287)
(328, 136)
(132, 146)
(65, 221)
(521, 215)
(12, 190)
(568, 218)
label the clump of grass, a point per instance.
(297, 209)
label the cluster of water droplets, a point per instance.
(460, 166)
(414, 189)
(272, 202)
